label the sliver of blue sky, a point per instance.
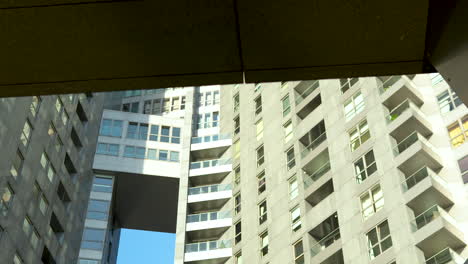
(143, 247)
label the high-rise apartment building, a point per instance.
(48, 145)
(360, 170)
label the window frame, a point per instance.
(260, 159)
(290, 159)
(261, 180)
(366, 167)
(262, 212)
(374, 203)
(296, 222)
(377, 228)
(258, 104)
(295, 190)
(462, 136)
(287, 108)
(355, 108)
(298, 258)
(238, 236)
(360, 135)
(237, 203)
(259, 129)
(263, 246)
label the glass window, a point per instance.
(463, 164)
(379, 239)
(140, 152)
(30, 232)
(175, 135)
(135, 107)
(347, 83)
(93, 238)
(143, 131)
(259, 128)
(17, 259)
(286, 105)
(458, 132)
(175, 103)
(129, 152)
(17, 164)
(298, 252)
(258, 105)
(290, 158)
(236, 125)
(261, 182)
(216, 97)
(147, 107)
(108, 149)
(166, 105)
(47, 166)
(7, 198)
(288, 131)
(98, 209)
(260, 156)
(64, 117)
(165, 130)
(293, 188)
(26, 134)
(163, 154)
(238, 232)
(208, 98)
(448, 101)
(132, 130)
(34, 107)
(236, 149)
(215, 119)
(182, 103)
(152, 154)
(43, 204)
(157, 106)
(372, 201)
(264, 244)
(296, 218)
(262, 212)
(58, 105)
(237, 203)
(154, 133)
(359, 135)
(102, 184)
(354, 105)
(236, 102)
(365, 166)
(174, 156)
(237, 175)
(239, 258)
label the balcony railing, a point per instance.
(300, 97)
(209, 189)
(325, 242)
(406, 143)
(313, 177)
(210, 138)
(426, 217)
(209, 163)
(416, 177)
(386, 84)
(211, 216)
(399, 110)
(314, 144)
(445, 256)
(207, 245)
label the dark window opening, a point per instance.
(76, 139)
(63, 195)
(81, 113)
(47, 257)
(69, 165)
(57, 228)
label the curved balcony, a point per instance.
(211, 146)
(212, 252)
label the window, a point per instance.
(63, 195)
(290, 158)
(26, 134)
(208, 98)
(463, 164)
(174, 156)
(182, 103)
(216, 97)
(157, 107)
(259, 129)
(165, 130)
(98, 210)
(102, 184)
(166, 105)
(39, 196)
(288, 131)
(111, 128)
(81, 113)
(88, 261)
(257, 88)
(154, 133)
(296, 218)
(7, 199)
(293, 188)
(147, 107)
(286, 105)
(47, 166)
(93, 238)
(239, 258)
(58, 105)
(34, 107)
(152, 154)
(215, 119)
(298, 252)
(264, 244)
(458, 132)
(262, 212)
(365, 166)
(347, 83)
(260, 156)
(354, 105)
(448, 101)
(143, 131)
(372, 201)
(131, 93)
(258, 105)
(236, 125)
(379, 239)
(236, 102)
(261, 182)
(236, 149)
(237, 203)
(55, 138)
(131, 107)
(163, 154)
(175, 135)
(238, 230)
(175, 104)
(31, 232)
(108, 149)
(132, 130)
(359, 135)
(65, 118)
(17, 164)
(237, 175)
(17, 259)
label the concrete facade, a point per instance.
(46, 175)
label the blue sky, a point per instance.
(143, 247)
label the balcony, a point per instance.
(396, 89)
(406, 118)
(425, 188)
(307, 98)
(210, 252)
(435, 229)
(209, 171)
(208, 225)
(313, 145)
(446, 256)
(304, 89)
(327, 240)
(415, 152)
(209, 147)
(210, 197)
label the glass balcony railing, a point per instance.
(315, 143)
(209, 189)
(420, 175)
(387, 82)
(325, 242)
(210, 216)
(406, 143)
(210, 138)
(300, 97)
(209, 163)
(446, 255)
(399, 110)
(207, 245)
(311, 178)
(426, 217)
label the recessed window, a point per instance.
(6, 199)
(175, 135)
(298, 252)
(261, 182)
(372, 201)
(293, 188)
(34, 107)
(288, 131)
(165, 133)
(93, 238)
(365, 166)
(98, 210)
(31, 232)
(40, 197)
(354, 105)
(379, 239)
(296, 218)
(238, 230)
(81, 113)
(286, 105)
(236, 149)
(258, 105)
(26, 134)
(262, 212)
(55, 138)
(264, 244)
(359, 135)
(154, 133)
(239, 258)
(236, 125)
(102, 184)
(259, 129)
(65, 118)
(290, 158)
(58, 105)
(17, 164)
(237, 175)
(347, 83)
(448, 101)
(236, 102)
(47, 167)
(260, 156)
(237, 203)
(108, 149)
(111, 128)
(458, 132)
(17, 259)
(463, 164)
